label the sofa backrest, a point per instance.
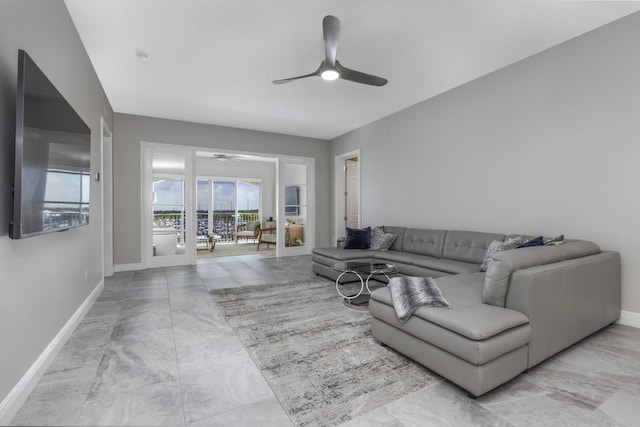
(468, 246)
(496, 283)
(424, 242)
(397, 244)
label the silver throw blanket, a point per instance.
(410, 293)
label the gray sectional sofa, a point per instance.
(530, 304)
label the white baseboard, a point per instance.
(128, 267)
(629, 318)
(21, 391)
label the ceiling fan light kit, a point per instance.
(330, 74)
(330, 68)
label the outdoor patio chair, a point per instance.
(268, 236)
(248, 230)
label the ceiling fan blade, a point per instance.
(359, 77)
(331, 30)
(290, 79)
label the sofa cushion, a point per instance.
(333, 255)
(499, 246)
(380, 240)
(397, 245)
(468, 246)
(476, 352)
(424, 242)
(536, 241)
(358, 238)
(504, 263)
(446, 265)
(468, 316)
(397, 256)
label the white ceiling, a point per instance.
(212, 61)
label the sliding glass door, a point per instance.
(224, 204)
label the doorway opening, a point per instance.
(348, 206)
(177, 222)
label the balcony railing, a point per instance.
(224, 223)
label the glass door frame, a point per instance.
(148, 149)
(309, 205)
(211, 212)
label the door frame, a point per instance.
(310, 206)
(339, 190)
(106, 183)
(146, 204)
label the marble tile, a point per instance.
(439, 404)
(211, 271)
(147, 292)
(201, 356)
(623, 408)
(103, 310)
(221, 387)
(50, 409)
(143, 315)
(117, 283)
(231, 264)
(192, 292)
(516, 389)
(136, 360)
(158, 404)
(266, 413)
(550, 409)
(111, 295)
(150, 273)
(221, 283)
(180, 271)
(183, 281)
(201, 319)
(590, 376)
(148, 282)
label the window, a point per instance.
(66, 199)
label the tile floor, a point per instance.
(155, 350)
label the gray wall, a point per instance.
(130, 130)
(548, 145)
(43, 278)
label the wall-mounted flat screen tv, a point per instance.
(52, 158)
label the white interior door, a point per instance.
(296, 198)
(352, 193)
(343, 189)
(168, 206)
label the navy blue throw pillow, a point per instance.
(358, 238)
(537, 241)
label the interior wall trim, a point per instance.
(21, 391)
(128, 267)
(629, 318)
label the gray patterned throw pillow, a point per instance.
(497, 246)
(381, 241)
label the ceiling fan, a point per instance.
(330, 68)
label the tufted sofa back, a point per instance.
(468, 246)
(424, 242)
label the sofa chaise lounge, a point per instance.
(530, 304)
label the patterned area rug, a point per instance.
(318, 355)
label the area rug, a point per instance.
(318, 355)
